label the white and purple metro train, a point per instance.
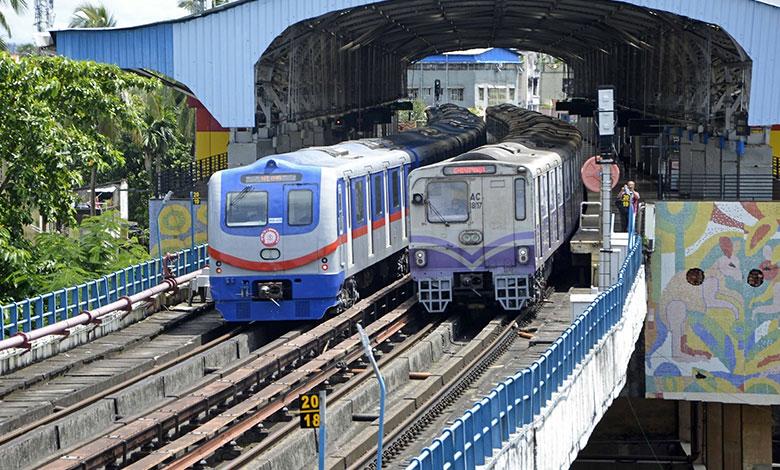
(486, 224)
(296, 234)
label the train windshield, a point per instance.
(448, 202)
(246, 208)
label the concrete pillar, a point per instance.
(756, 437)
(714, 454)
(732, 436)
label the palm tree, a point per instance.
(18, 6)
(88, 15)
(197, 6)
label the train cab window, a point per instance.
(359, 201)
(448, 202)
(395, 194)
(520, 199)
(379, 194)
(246, 208)
(299, 207)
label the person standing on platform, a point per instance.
(628, 197)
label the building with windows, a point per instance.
(476, 78)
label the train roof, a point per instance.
(508, 153)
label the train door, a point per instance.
(394, 206)
(299, 216)
(552, 202)
(341, 223)
(497, 221)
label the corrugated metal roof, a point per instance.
(491, 56)
(214, 53)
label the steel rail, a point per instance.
(405, 431)
(23, 339)
(94, 398)
(252, 373)
(360, 377)
(380, 331)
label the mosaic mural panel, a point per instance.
(712, 327)
(176, 222)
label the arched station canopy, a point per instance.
(252, 62)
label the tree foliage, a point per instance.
(88, 15)
(93, 249)
(18, 6)
(51, 110)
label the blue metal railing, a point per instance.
(516, 401)
(35, 312)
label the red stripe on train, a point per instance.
(276, 266)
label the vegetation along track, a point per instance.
(241, 397)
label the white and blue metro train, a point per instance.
(294, 235)
(486, 224)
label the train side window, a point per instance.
(395, 194)
(340, 206)
(246, 208)
(359, 201)
(520, 199)
(299, 207)
(379, 194)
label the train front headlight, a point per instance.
(522, 254)
(420, 258)
(470, 237)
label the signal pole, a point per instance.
(606, 121)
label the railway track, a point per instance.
(243, 397)
(436, 389)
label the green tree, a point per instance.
(196, 6)
(18, 6)
(27, 50)
(88, 15)
(59, 262)
(49, 107)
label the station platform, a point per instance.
(586, 242)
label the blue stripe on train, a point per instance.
(312, 295)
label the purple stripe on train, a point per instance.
(523, 237)
(503, 262)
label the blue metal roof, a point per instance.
(214, 53)
(491, 56)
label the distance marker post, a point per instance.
(312, 415)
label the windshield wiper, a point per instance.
(239, 196)
(435, 211)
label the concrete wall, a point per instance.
(555, 438)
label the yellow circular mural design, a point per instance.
(203, 214)
(174, 220)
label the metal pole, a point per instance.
(159, 211)
(192, 221)
(323, 397)
(606, 216)
(383, 392)
(606, 121)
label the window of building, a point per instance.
(496, 96)
(481, 93)
(426, 91)
(456, 94)
(511, 94)
(414, 93)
